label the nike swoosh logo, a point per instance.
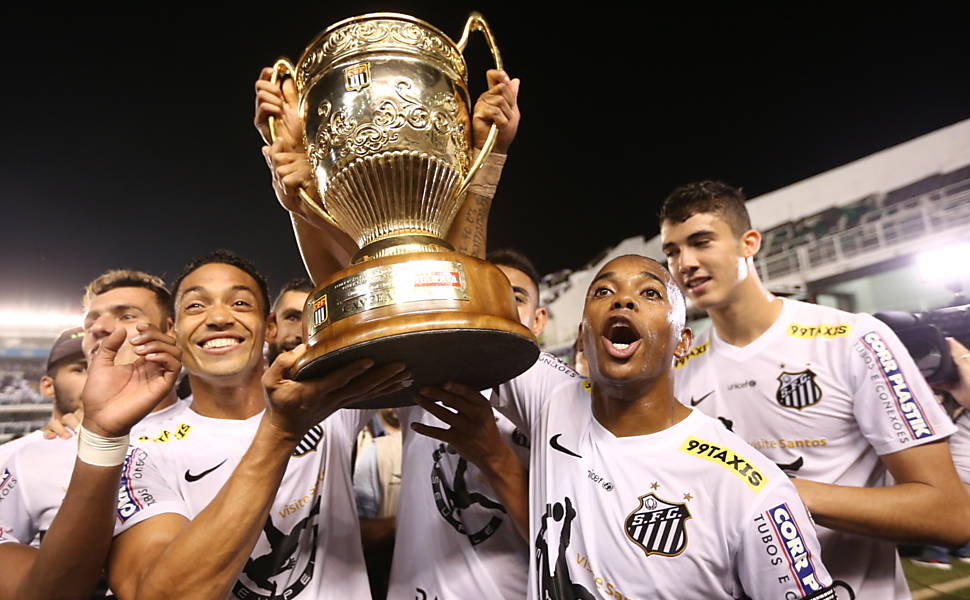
(701, 399)
(792, 466)
(553, 441)
(190, 477)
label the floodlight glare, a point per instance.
(38, 319)
(947, 263)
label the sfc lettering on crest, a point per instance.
(798, 390)
(357, 77)
(657, 526)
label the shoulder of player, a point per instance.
(807, 321)
(42, 450)
(730, 457)
(162, 431)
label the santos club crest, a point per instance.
(658, 526)
(798, 390)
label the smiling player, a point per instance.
(632, 494)
(832, 397)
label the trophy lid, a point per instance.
(372, 32)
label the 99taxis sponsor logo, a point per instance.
(796, 555)
(896, 389)
(130, 501)
(808, 332)
(735, 463)
(181, 432)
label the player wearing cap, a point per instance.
(62, 383)
(237, 496)
(832, 397)
(455, 539)
(632, 494)
(115, 397)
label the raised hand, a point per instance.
(296, 406)
(117, 396)
(472, 431)
(498, 105)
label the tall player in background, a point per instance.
(632, 494)
(69, 561)
(830, 396)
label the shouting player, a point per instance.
(832, 397)
(632, 494)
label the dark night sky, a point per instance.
(128, 140)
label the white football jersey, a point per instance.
(8, 448)
(41, 472)
(688, 512)
(823, 393)
(454, 539)
(310, 545)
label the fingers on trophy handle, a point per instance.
(281, 69)
(476, 22)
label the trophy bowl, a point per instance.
(386, 113)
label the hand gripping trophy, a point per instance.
(385, 109)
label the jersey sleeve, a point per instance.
(779, 554)
(15, 520)
(143, 493)
(893, 404)
(521, 399)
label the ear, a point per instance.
(47, 386)
(169, 328)
(271, 328)
(579, 338)
(539, 320)
(683, 346)
(750, 243)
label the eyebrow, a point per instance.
(642, 274)
(290, 312)
(201, 289)
(521, 290)
(691, 238)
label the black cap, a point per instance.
(68, 344)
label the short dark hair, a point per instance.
(119, 278)
(707, 197)
(297, 284)
(225, 257)
(513, 259)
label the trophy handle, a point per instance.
(476, 22)
(281, 68)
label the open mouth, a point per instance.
(220, 344)
(620, 337)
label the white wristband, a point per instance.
(101, 451)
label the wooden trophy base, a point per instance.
(447, 316)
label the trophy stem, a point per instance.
(401, 244)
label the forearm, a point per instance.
(905, 512)
(510, 480)
(204, 559)
(71, 558)
(469, 230)
(323, 248)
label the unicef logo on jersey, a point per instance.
(657, 526)
(798, 390)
